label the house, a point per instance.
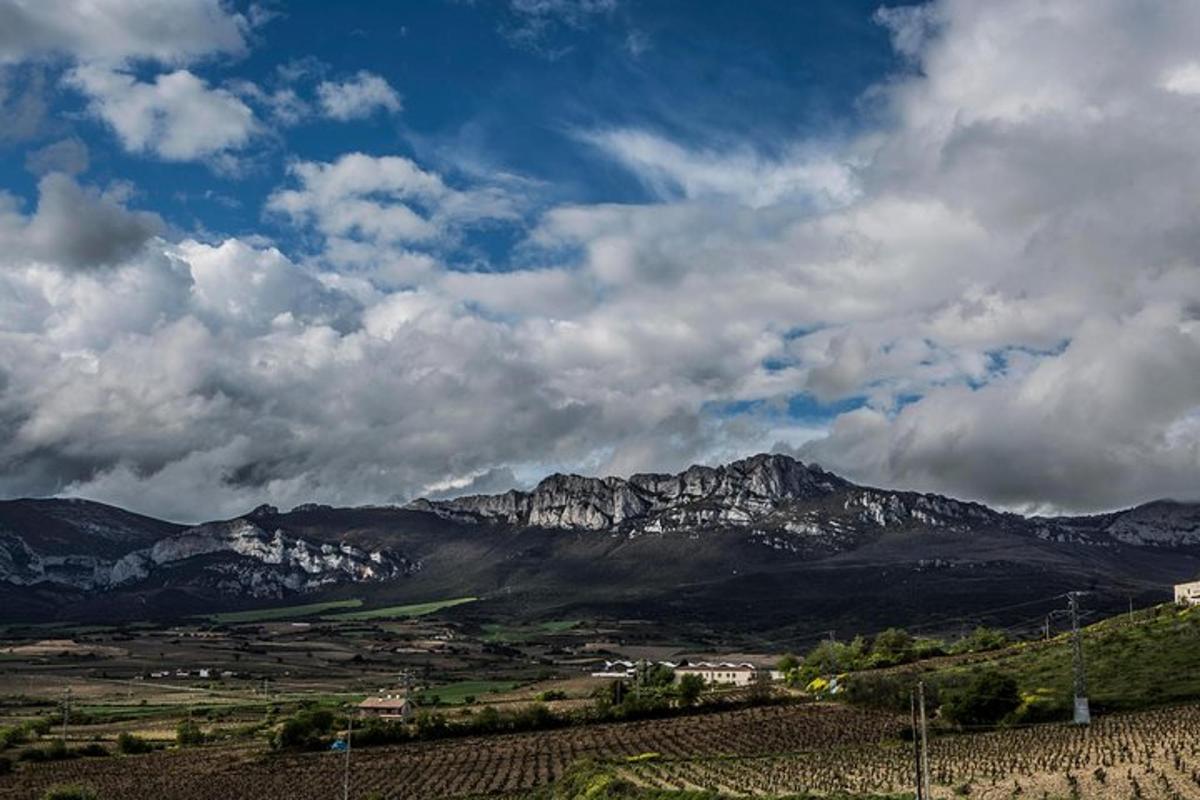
(1188, 594)
(615, 669)
(742, 674)
(387, 706)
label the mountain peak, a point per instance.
(734, 492)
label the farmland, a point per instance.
(398, 612)
(773, 751)
(284, 612)
(140, 682)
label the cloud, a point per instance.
(23, 103)
(176, 117)
(115, 31)
(673, 171)
(68, 156)
(535, 22)
(357, 98)
(992, 292)
(75, 227)
(383, 199)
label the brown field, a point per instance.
(761, 751)
(456, 768)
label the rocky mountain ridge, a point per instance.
(574, 536)
(236, 556)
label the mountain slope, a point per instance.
(766, 543)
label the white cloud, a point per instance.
(357, 98)
(383, 199)
(177, 116)
(1005, 272)
(745, 177)
(116, 31)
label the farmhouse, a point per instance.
(1188, 594)
(742, 674)
(388, 706)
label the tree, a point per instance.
(691, 686)
(788, 663)
(893, 646)
(188, 733)
(985, 700)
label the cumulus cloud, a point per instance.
(996, 289)
(357, 98)
(69, 156)
(115, 31)
(75, 227)
(177, 116)
(383, 199)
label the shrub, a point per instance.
(132, 745)
(986, 699)
(93, 750)
(691, 686)
(306, 730)
(188, 733)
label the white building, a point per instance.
(742, 674)
(1188, 594)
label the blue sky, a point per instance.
(488, 88)
(358, 252)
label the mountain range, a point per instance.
(767, 545)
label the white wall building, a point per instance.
(725, 672)
(1188, 594)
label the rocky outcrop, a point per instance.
(240, 555)
(762, 493)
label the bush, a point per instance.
(691, 686)
(188, 733)
(986, 699)
(93, 750)
(306, 730)
(132, 745)
(6, 765)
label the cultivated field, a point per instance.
(754, 752)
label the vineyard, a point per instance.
(760, 751)
(421, 771)
(1153, 754)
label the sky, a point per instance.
(358, 252)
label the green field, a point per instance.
(398, 612)
(1130, 663)
(515, 634)
(457, 693)
(283, 612)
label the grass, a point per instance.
(283, 612)
(506, 634)
(1130, 664)
(457, 693)
(395, 612)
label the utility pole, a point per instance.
(1047, 627)
(66, 712)
(917, 773)
(346, 771)
(924, 740)
(1131, 609)
(1083, 714)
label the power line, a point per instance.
(1083, 714)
